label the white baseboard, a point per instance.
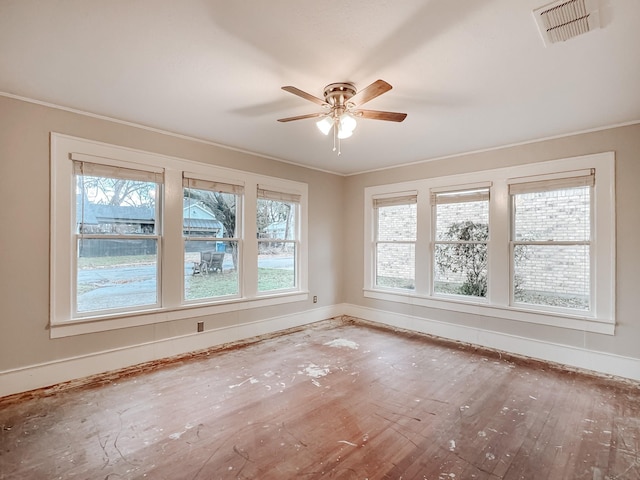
(600, 362)
(46, 374)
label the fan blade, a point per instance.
(305, 95)
(374, 90)
(380, 115)
(301, 117)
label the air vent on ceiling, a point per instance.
(565, 19)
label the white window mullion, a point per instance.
(249, 271)
(498, 265)
(172, 244)
(423, 272)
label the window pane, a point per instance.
(114, 206)
(116, 274)
(461, 269)
(276, 219)
(455, 220)
(552, 275)
(210, 266)
(276, 265)
(209, 214)
(395, 265)
(397, 222)
(277, 232)
(559, 215)
(210, 269)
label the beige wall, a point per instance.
(625, 141)
(24, 232)
(335, 220)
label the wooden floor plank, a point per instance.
(339, 400)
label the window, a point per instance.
(139, 238)
(395, 239)
(551, 241)
(532, 243)
(460, 244)
(117, 237)
(277, 227)
(211, 238)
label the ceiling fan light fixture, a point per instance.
(347, 123)
(342, 134)
(325, 124)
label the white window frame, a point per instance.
(601, 317)
(172, 306)
(84, 166)
(457, 195)
(195, 181)
(556, 181)
(271, 192)
(399, 198)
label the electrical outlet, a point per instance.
(200, 326)
(315, 299)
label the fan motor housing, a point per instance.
(337, 94)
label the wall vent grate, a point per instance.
(565, 19)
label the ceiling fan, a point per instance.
(342, 106)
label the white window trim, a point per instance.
(386, 200)
(85, 165)
(62, 264)
(193, 180)
(601, 319)
(273, 192)
(455, 192)
(548, 183)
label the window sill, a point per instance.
(103, 323)
(555, 319)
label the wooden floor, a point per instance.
(338, 400)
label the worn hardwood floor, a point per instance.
(337, 400)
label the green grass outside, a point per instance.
(222, 284)
(196, 286)
(275, 279)
(211, 285)
(85, 263)
(395, 282)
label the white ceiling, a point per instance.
(470, 74)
